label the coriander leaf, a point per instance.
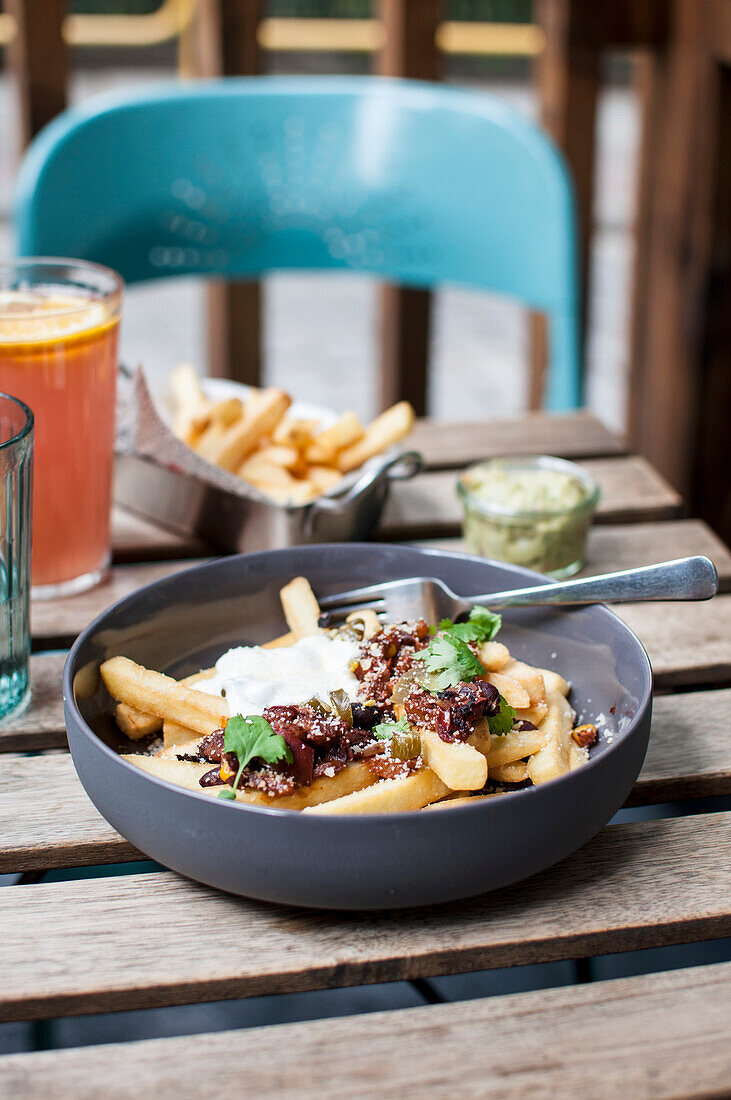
(384, 731)
(227, 793)
(253, 737)
(487, 622)
(447, 661)
(482, 626)
(502, 722)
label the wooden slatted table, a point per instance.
(645, 883)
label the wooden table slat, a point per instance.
(568, 435)
(661, 1035)
(428, 506)
(135, 539)
(689, 757)
(626, 889)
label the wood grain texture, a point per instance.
(624, 890)
(689, 757)
(41, 724)
(655, 1036)
(568, 435)
(135, 539)
(58, 621)
(627, 546)
(688, 643)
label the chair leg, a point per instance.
(222, 42)
(409, 50)
(38, 58)
(567, 74)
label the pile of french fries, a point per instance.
(290, 460)
(448, 772)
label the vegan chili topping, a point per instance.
(320, 745)
(454, 712)
(386, 656)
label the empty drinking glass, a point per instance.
(16, 481)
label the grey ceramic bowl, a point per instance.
(183, 623)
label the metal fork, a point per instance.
(429, 598)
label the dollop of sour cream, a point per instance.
(251, 678)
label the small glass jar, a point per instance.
(533, 511)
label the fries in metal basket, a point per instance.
(290, 460)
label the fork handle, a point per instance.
(684, 579)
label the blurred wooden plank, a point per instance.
(447, 445)
(135, 539)
(629, 545)
(622, 892)
(58, 621)
(661, 1035)
(41, 724)
(38, 59)
(428, 506)
(409, 50)
(687, 643)
(689, 757)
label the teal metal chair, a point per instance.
(421, 184)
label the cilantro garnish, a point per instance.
(250, 738)
(502, 722)
(481, 626)
(448, 661)
(384, 731)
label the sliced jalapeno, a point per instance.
(405, 744)
(340, 701)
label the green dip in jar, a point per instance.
(533, 511)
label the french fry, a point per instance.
(298, 492)
(346, 431)
(295, 433)
(281, 642)
(516, 772)
(224, 412)
(513, 746)
(461, 800)
(388, 428)
(261, 415)
(153, 693)
(534, 714)
(553, 759)
(511, 689)
(134, 724)
(554, 681)
(264, 474)
(324, 478)
(188, 401)
(460, 766)
(578, 755)
(173, 734)
(279, 455)
(354, 777)
(494, 656)
(301, 609)
(530, 678)
(209, 441)
(389, 796)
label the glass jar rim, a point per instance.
(26, 429)
(503, 511)
(105, 296)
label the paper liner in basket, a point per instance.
(141, 431)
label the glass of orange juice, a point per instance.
(59, 323)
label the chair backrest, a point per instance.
(419, 183)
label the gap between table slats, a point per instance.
(46, 819)
(633, 886)
(661, 1035)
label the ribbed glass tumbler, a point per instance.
(16, 489)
